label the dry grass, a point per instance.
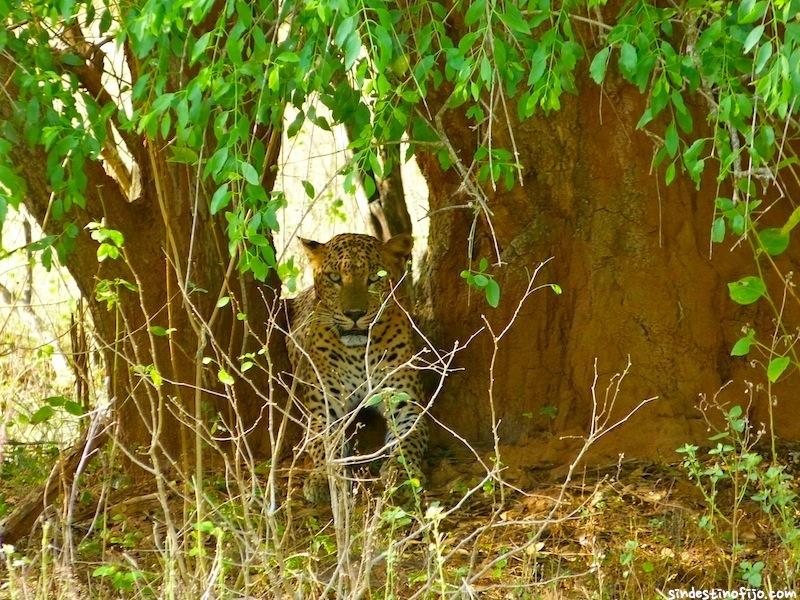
(630, 532)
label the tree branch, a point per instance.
(90, 76)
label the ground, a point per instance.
(633, 530)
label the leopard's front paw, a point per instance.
(315, 487)
(402, 479)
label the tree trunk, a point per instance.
(633, 259)
(155, 332)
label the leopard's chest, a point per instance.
(352, 373)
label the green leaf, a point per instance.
(296, 124)
(750, 11)
(217, 161)
(159, 331)
(556, 289)
(743, 344)
(200, 46)
(492, 293)
(762, 56)
(764, 142)
(718, 230)
(224, 301)
(745, 7)
(792, 221)
(288, 57)
(669, 176)
(646, 117)
(373, 400)
(747, 290)
(274, 80)
(155, 376)
(369, 185)
(43, 414)
(225, 377)
(671, 139)
(515, 20)
(105, 251)
(375, 164)
(105, 21)
(773, 240)
(56, 400)
(104, 571)
(752, 38)
(74, 408)
(200, 9)
(480, 280)
(738, 223)
(346, 27)
(628, 59)
(162, 102)
(682, 114)
(309, 189)
(182, 154)
(352, 49)
(47, 258)
(220, 199)
(691, 154)
(776, 367)
(597, 70)
(72, 59)
(249, 173)
(475, 11)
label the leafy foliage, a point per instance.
(734, 460)
(198, 79)
(482, 280)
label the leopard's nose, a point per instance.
(355, 315)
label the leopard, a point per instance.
(352, 344)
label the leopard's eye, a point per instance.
(334, 277)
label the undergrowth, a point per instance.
(637, 530)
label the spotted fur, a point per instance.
(349, 339)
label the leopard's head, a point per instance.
(353, 275)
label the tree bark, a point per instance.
(639, 281)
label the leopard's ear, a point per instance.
(397, 250)
(315, 251)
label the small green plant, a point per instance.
(120, 577)
(289, 273)
(499, 569)
(108, 291)
(111, 241)
(733, 463)
(751, 572)
(483, 281)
